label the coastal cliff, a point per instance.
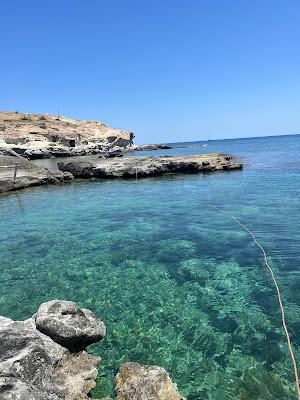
(44, 135)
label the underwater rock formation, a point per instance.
(141, 167)
(33, 366)
(145, 382)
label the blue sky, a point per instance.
(169, 70)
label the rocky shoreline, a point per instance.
(16, 172)
(45, 357)
(103, 151)
(142, 167)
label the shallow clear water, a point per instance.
(177, 283)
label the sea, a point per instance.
(178, 283)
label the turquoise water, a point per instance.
(177, 283)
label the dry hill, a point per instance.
(20, 128)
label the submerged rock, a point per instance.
(145, 382)
(35, 367)
(67, 324)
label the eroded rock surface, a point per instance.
(145, 382)
(25, 362)
(141, 167)
(27, 174)
(69, 325)
(35, 367)
(75, 374)
(149, 147)
(36, 131)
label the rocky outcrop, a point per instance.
(17, 173)
(145, 382)
(22, 128)
(5, 151)
(69, 325)
(149, 147)
(88, 150)
(36, 136)
(33, 366)
(44, 358)
(75, 375)
(141, 167)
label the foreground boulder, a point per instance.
(145, 382)
(142, 167)
(35, 367)
(69, 325)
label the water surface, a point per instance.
(177, 283)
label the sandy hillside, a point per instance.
(22, 127)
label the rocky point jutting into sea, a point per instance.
(25, 137)
(44, 358)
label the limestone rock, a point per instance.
(16, 389)
(5, 321)
(6, 151)
(142, 167)
(76, 374)
(27, 174)
(34, 367)
(67, 176)
(24, 358)
(54, 350)
(37, 136)
(69, 325)
(145, 382)
(149, 147)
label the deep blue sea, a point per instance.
(177, 283)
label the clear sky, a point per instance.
(169, 70)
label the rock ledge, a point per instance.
(142, 167)
(33, 366)
(43, 358)
(145, 382)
